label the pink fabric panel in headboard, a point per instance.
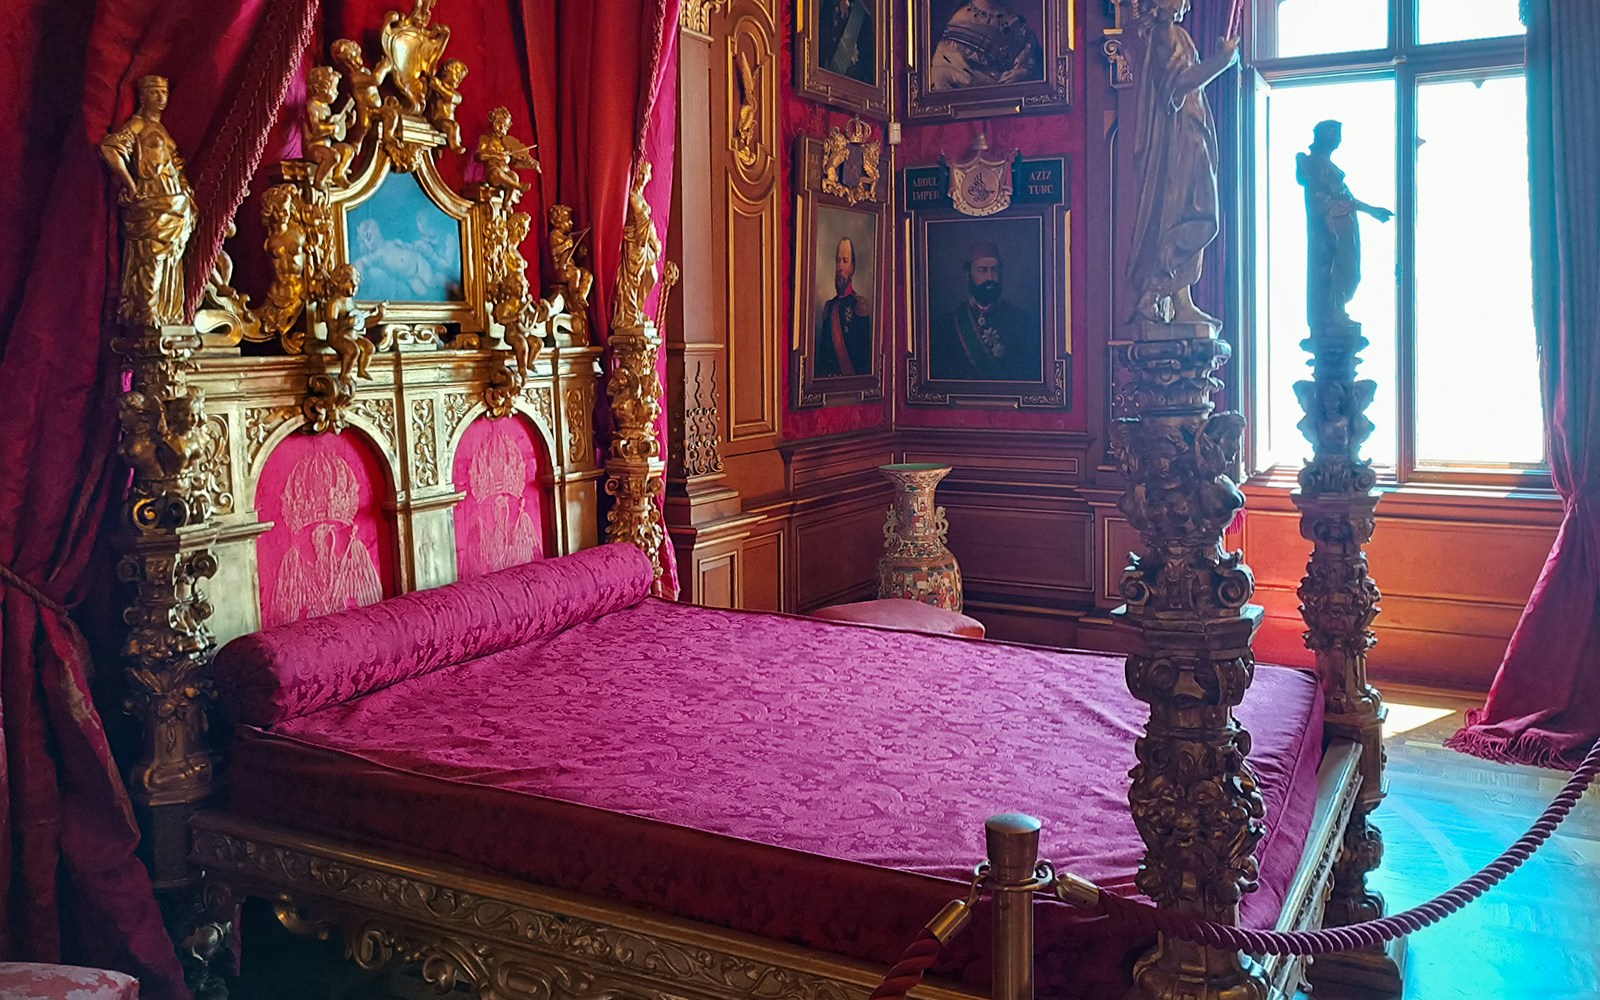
(502, 466)
(331, 545)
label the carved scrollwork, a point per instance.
(424, 443)
(456, 405)
(695, 15)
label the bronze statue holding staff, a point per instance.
(1333, 252)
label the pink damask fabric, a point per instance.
(281, 673)
(502, 467)
(331, 545)
(807, 781)
(34, 981)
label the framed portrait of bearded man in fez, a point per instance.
(990, 297)
(972, 58)
(842, 275)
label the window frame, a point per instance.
(1409, 65)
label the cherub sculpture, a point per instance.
(363, 82)
(286, 245)
(324, 129)
(444, 96)
(502, 156)
(347, 323)
(578, 280)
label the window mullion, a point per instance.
(1405, 262)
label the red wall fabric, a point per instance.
(502, 466)
(73, 887)
(332, 543)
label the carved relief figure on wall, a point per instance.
(847, 43)
(158, 213)
(985, 337)
(844, 331)
(985, 43)
(1333, 233)
(1175, 152)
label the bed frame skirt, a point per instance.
(507, 939)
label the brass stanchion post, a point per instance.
(1013, 843)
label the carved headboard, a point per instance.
(398, 410)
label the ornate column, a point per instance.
(1194, 797)
(1337, 499)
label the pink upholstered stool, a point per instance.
(912, 616)
(35, 981)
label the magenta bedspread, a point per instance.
(807, 781)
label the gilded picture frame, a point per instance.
(842, 270)
(982, 58)
(842, 54)
(991, 304)
(416, 243)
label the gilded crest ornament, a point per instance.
(412, 49)
(851, 162)
(981, 184)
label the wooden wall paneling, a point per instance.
(765, 560)
(749, 224)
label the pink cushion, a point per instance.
(912, 616)
(291, 670)
(34, 981)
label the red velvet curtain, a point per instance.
(1544, 707)
(74, 889)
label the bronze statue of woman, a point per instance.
(158, 213)
(1333, 251)
(1175, 152)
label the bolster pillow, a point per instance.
(292, 670)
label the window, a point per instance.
(1431, 94)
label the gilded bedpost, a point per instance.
(1194, 797)
(635, 470)
(167, 530)
(1338, 498)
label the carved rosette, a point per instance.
(1338, 500)
(1194, 798)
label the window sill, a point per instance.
(1480, 504)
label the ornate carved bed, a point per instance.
(402, 415)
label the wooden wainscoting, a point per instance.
(1455, 572)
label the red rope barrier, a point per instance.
(1371, 933)
(913, 965)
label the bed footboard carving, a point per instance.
(503, 938)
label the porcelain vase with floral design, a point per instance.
(916, 565)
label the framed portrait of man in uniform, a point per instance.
(841, 54)
(975, 58)
(990, 298)
(841, 276)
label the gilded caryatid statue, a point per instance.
(158, 213)
(1333, 233)
(1175, 153)
(641, 251)
(577, 280)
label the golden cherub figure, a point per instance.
(286, 245)
(578, 280)
(347, 323)
(502, 156)
(363, 82)
(324, 129)
(444, 96)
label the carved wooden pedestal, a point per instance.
(166, 557)
(1337, 500)
(1194, 797)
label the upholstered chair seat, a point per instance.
(912, 616)
(36, 981)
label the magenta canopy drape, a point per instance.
(1544, 706)
(600, 94)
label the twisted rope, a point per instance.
(29, 590)
(907, 973)
(1370, 933)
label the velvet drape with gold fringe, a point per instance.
(598, 78)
